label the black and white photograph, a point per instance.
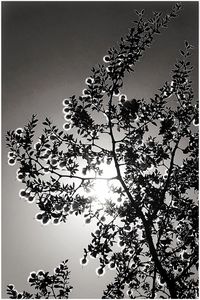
(100, 144)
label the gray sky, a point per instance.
(48, 50)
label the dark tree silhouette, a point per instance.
(151, 210)
(48, 286)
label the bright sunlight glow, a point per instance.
(101, 188)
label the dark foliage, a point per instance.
(47, 286)
(152, 212)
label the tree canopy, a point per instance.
(150, 210)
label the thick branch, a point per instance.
(161, 200)
(162, 271)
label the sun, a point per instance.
(101, 188)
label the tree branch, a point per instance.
(163, 273)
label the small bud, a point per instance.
(83, 261)
(180, 269)
(68, 117)
(58, 206)
(47, 154)
(56, 221)
(85, 92)
(121, 244)
(100, 271)
(84, 170)
(87, 221)
(57, 270)
(45, 220)
(67, 126)
(109, 69)
(89, 80)
(103, 219)
(67, 102)
(127, 228)
(20, 176)
(165, 176)
(54, 162)
(22, 193)
(116, 93)
(11, 286)
(37, 146)
(31, 199)
(39, 217)
(66, 110)
(111, 265)
(11, 154)
(46, 171)
(19, 131)
(62, 164)
(129, 292)
(106, 58)
(195, 122)
(33, 274)
(11, 161)
(40, 273)
(122, 98)
(30, 280)
(160, 281)
(53, 137)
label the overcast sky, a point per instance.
(48, 49)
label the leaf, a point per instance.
(154, 123)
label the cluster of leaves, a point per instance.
(149, 234)
(47, 286)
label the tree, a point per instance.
(48, 286)
(151, 209)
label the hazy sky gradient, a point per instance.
(48, 49)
